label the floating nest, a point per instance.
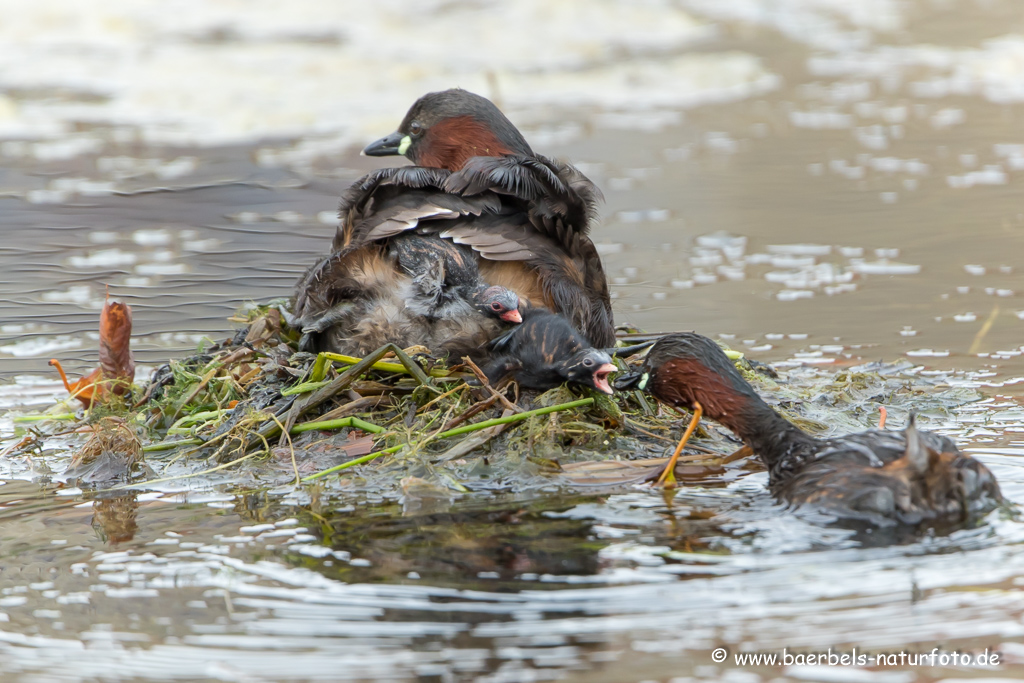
(255, 405)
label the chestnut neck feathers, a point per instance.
(452, 142)
(883, 477)
(448, 128)
(688, 368)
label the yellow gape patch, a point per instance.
(403, 146)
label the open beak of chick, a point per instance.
(601, 378)
(591, 367)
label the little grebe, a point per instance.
(882, 477)
(545, 351)
(477, 182)
(426, 292)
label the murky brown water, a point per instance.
(854, 200)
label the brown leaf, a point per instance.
(88, 387)
(117, 366)
(264, 328)
(116, 359)
(358, 446)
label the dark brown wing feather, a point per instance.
(380, 205)
(513, 209)
(393, 200)
(556, 196)
(546, 214)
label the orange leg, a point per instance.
(668, 477)
(881, 417)
(56, 363)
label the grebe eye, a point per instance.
(588, 362)
(415, 128)
(495, 306)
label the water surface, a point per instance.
(819, 184)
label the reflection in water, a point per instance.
(114, 516)
(502, 541)
(420, 497)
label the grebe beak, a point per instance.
(512, 316)
(601, 378)
(392, 145)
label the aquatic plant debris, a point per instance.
(112, 452)
(117, 366)
(227, 408)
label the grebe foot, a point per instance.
(668, 477)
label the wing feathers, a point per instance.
(506, 209)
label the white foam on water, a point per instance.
(106, 258)
(40, 346)
(207, 73)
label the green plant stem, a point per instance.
(297, 429)
(198, 417)
(337, 424)
(319, 368)
(459, 430)
(303, 388)
(168, 445)
(42, 417)
(380, 365)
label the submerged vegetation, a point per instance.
(256, 407)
